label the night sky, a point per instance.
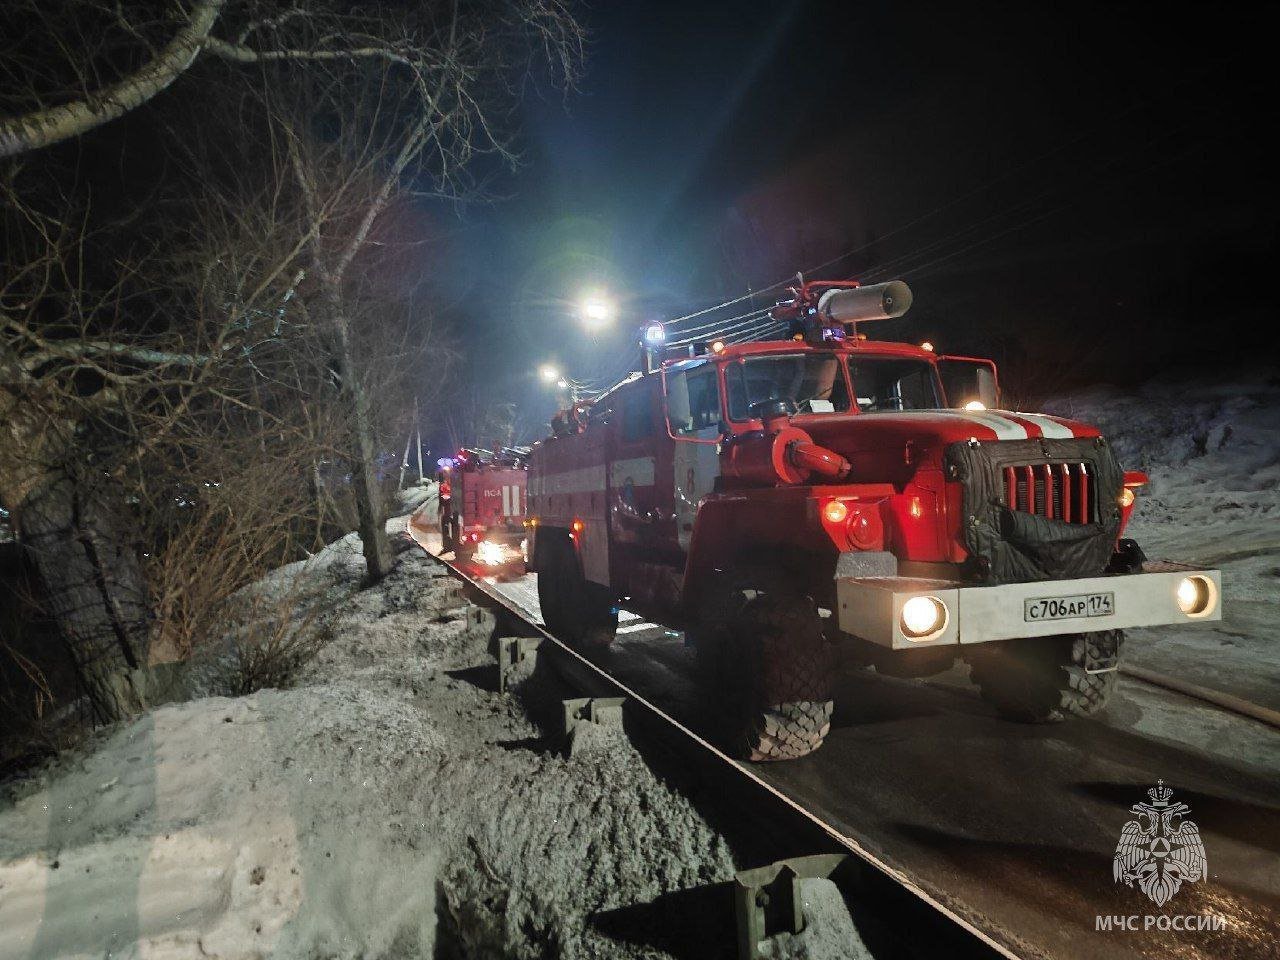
(1082, 192)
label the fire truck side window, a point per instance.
(637, 414)
(693, 400)
(889, 384)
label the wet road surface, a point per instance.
(1014, 826)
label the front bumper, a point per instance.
(872, 607)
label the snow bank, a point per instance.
(1213, 454)
(389, 805)
(412, 498)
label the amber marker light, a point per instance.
(835, 511)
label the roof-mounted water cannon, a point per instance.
(826, 311)
(880, 301)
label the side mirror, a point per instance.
(968, 382)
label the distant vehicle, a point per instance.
(785, 501)
(483, 496)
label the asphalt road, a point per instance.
(1015, 826)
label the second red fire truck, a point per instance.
(787, 501)
(482, 508)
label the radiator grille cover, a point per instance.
(1037, 509)
(1060, 491)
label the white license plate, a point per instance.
(1068, 608)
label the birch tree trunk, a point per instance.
(364, 451)
(94, 586)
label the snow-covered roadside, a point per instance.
(388, 805)
(1213, 454)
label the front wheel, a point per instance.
(760, 645)
(1048, 679)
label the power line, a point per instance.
(738, 329)
(1066, 144)
(899, 263)
(720, 329)
(922, 269)
(719, 323)
(760, 333)
(1005, 175)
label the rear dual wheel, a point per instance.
(761, 648)
(580, 612)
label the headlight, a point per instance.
(923, 618)
(492, 554)
(1196, 595)
(1126, 497)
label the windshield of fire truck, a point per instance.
(891, 383)
(809, 382)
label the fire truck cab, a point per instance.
(787, 501)
(482, 508)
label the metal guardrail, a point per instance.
(776, 822)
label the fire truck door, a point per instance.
(694, 414)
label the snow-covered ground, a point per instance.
(388, 805)
(1213, 454)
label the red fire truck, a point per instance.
(787, 501)
(482, 508)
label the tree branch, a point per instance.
(43, 128)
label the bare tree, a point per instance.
(258, 293)
(66, 380)
(412, 124)
(61, 104)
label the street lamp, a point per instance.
(552, 376)
(596, 311)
